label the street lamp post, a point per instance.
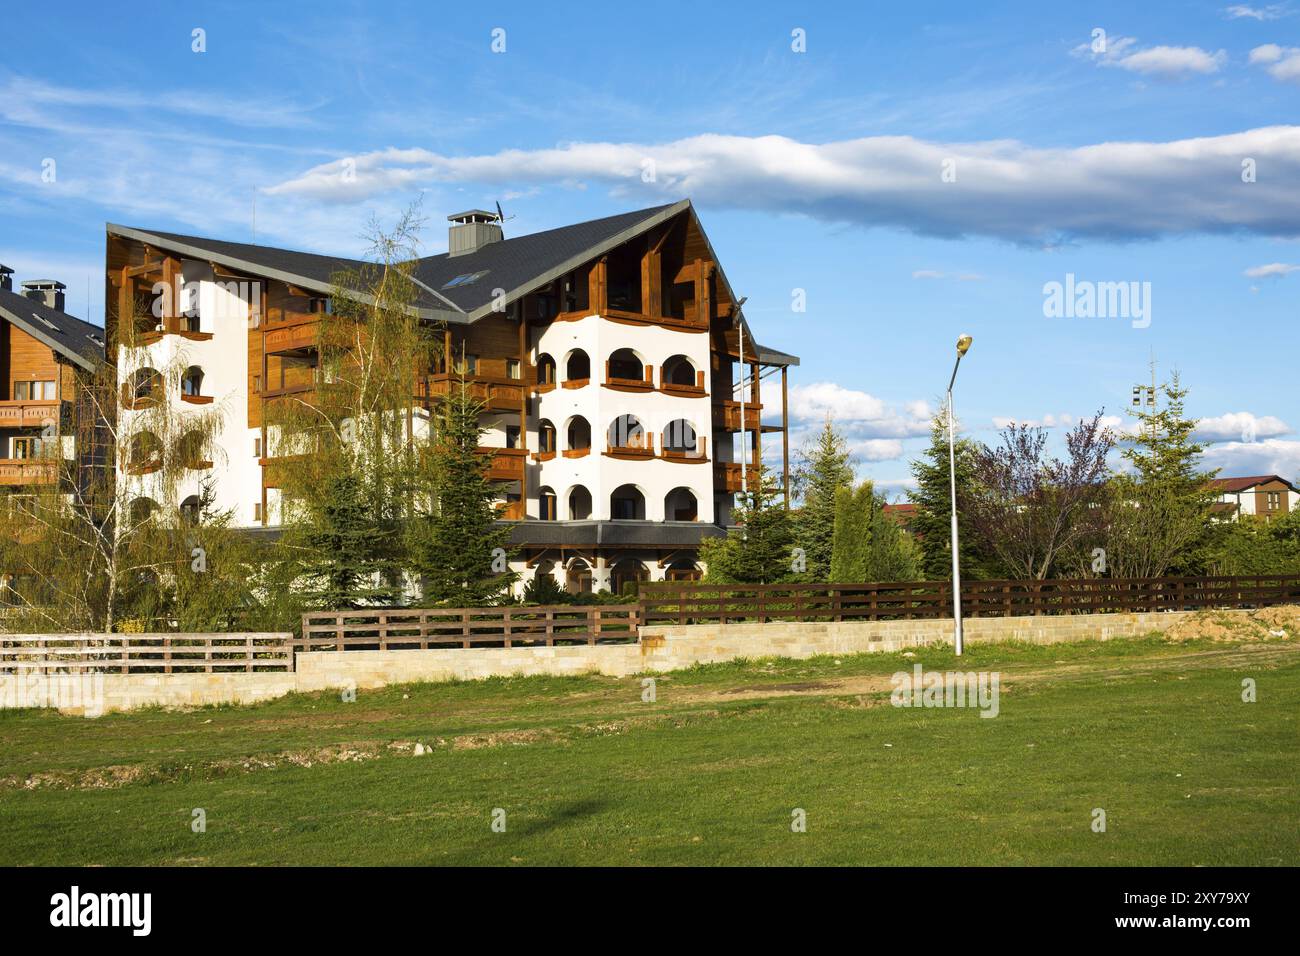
(963, 344)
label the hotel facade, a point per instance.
(621, 386)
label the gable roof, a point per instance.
(517, 265)
(78, 341)
(1245, 483)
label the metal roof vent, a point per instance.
(471, 231)
(6, 278)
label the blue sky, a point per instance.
(819, 170)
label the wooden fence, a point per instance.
(145, 653)
(407, 628)
(696, 603)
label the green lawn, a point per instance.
(1155, 734)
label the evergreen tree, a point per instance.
(868, 546)
(1160, 514)
(851, 548)
(825, 468)
(459, 548)
(932, 521)
(351, 563)
(761, 550)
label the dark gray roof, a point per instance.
(516, 266)
(66, 334)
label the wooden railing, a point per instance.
(411, 628)
(694, 603)
(726, 415)
(726, 475)
(27, 471)
(19, 413)
(144, 653)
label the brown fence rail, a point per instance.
(144, 653)
(422, 628)
(694, 603)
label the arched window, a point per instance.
(577, 370)
(145, 382)
(144, 454)
(680, 371)
(625, 575)
(627, 433)
(680, 439)
(577, 437)
(624, 365)
(577, 578)
(191, 508)
(545, 437)
(545, 371)
(546, 504)
(141, 510)
(579, 503)
(680, 505)
(627, 503)
(192, 381)
(190, 449)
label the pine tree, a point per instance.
(868, 546)
(459, 548)
(351, 563)
(1161, 510)
(761, 550)
(932, 521)
(825, 468)
(851, 547)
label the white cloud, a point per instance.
(1241, 427)
(1064, 420)
(1004, 189)
(1240, 11)
(1270, 457)
(1169, 61)
(1282, 63)
(1274, 270)
(873, 429)
(936, 274)
(1173, 61)
(927, 274)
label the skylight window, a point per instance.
(469, 278)
(47, 322)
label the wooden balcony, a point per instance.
(507, 463)
(27, 471)
(291, 338)
(726, 476)
(644, 384)
(27, 414)
(496, 394)
(726, 416)
(693, 456)
(638, 449)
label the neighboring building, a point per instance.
(1263, 496)
(47, 357)
(901, 513)
(607, 354)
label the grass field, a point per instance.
(1154, 733)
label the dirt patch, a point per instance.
(1267, 623)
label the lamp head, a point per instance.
(963, 344)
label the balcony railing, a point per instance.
(494, 393)
(507, 463)
(726, 475)
(642, 447)
(26, 471)
(689, 456)
(290, 338)
(726, 415)
(24, 414)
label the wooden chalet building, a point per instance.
(607, 355)
(47, 359)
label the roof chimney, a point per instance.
(47, 291)
(6, 278)
(471, 231)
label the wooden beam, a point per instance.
(785, 438)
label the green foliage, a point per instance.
(458, 548)
(544, 589)
(1253, 546)
(868, 546)
(931, 523)
(1159, 516)
(761, 550)
(823, 471)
